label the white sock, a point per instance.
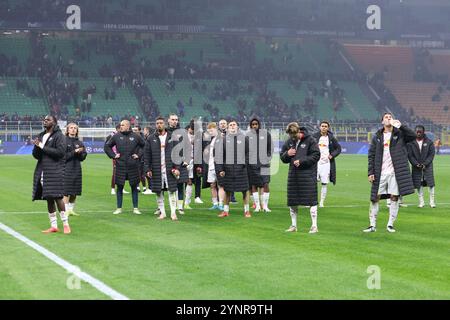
(67, 206)
(64, 218)
(313, 212)
(188, 194)
(265, 200)
(180, 204)
(420, 193)
(256, 199)
(431, 195)
(160, 201)
(323, 193)
(373, 212)
(393, 212)
(72, 206)
(246, 207)
(226, 208)
(293, 211)
(173, 202)
(252, 198)
(53, 219)
(214, 201)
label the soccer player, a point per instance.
(223, 127)
(389, 171)
(75, 154)
(302, 153)
(198, 167)
(259, 173)
(231, 163)
(421, 155)
(142, 176)
(159, 166)
(48, 182)
(190, 135)
(113, 177)
(147, 133)
(128, 151)
(179, 137)
(210, 175)
(329, 149)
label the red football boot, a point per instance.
(51, 230)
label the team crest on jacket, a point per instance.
(77, 146)
(131, 138)
(121, 138)
(425, 144)
(50, 139)
(261, 138)
(395, 137)
(303, 145)
(239, 141)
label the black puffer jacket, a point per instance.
(127, 143)
(335, 149)
(51, 163)
(233, 160)
(425, 157)
(152, 162)
(302, 180)
(180, 137)
(259, 141)
(73, 174)
(400, 137)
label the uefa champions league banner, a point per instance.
(274, 32)
(96, 147)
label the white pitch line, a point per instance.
(97, 284)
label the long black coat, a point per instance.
(424, 157)
(51, 162)
(256, 175)
(335, 149)
(73, 174)
(205, 167)
(152, 162)
(232, 158)
(180, 137)
(302, 180)
(127, 144)
(399, 139)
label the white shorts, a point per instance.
(323, 173)
(212, 178)
(388, 185)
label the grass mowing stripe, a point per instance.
(100, 286)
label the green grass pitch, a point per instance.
(204, 257)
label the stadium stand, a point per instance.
(395, 62)
(418, 98)
(27, 101)
(280, 80)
